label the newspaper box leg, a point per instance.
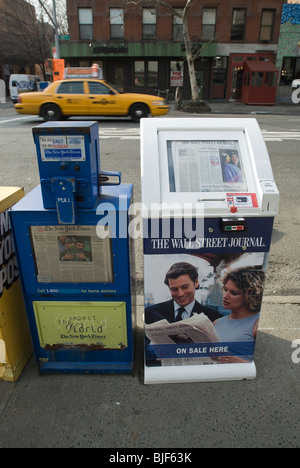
(200, 374)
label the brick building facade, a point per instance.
(139, 44)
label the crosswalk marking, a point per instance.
(134, 134)
(280, 136)
(121, 133)
(13, 120)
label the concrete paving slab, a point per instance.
(119, 411)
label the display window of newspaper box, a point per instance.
(209, 199)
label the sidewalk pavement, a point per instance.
(120, 412)
(240, 108)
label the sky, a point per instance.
(60, 10)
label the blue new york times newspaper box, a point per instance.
(75, 256)
(209, 199)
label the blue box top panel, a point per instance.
(79, 127)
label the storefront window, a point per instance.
(146, 73)
(177, 65)
(247, 79)
(290, 70)
(271, 79)
(152, 74)
(257, 79)
(139, 73)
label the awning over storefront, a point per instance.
(133, 49)
(260, 66)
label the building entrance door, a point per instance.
(119, 75)
(119, 78)
(236, 84)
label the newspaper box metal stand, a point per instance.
(209, 201)
(74, 255)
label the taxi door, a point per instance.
(71, 98)
(103, 100)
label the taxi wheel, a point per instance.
(51, 112)
(138, 111)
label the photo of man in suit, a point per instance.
(183, 281)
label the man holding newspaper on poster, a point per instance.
(182, 280)
(181, 320)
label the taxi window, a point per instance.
(99, 88)
(71, 87)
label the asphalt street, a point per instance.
(119, 412)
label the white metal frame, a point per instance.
(255, 157)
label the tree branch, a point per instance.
(47, 12)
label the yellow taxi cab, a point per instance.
(82, 97)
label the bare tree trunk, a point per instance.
(186, 37)
(189, 55)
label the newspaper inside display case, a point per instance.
(213, 164)
(71, 254)
(205, 166)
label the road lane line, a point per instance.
(18, 118)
